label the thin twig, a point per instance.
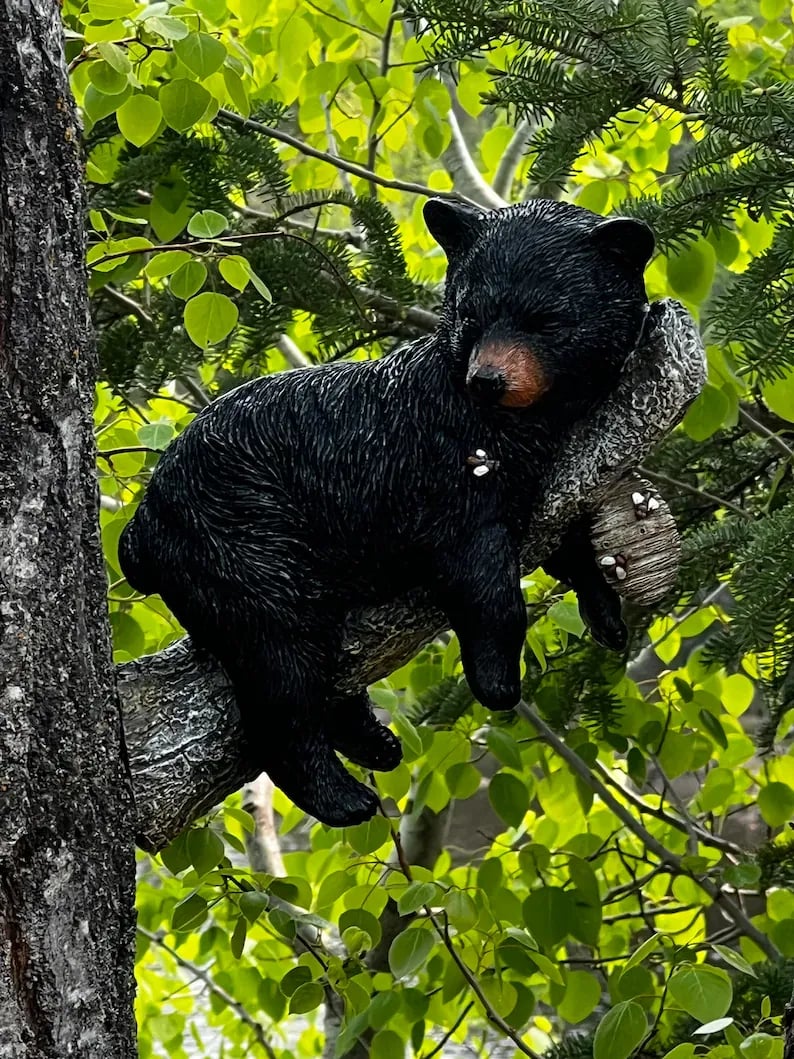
(243, 1015)
(694, 490)
(108, 454)
(128, 303)
(652, 844)
(684, 823)
(449, 1032)
(509, 162)
(340, 163)
(764, 431)
(443, 933)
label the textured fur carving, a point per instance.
(299, 496)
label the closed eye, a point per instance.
(543, 323)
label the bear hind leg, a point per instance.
(284, 709)
(356, 732)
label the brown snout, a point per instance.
(507, 374)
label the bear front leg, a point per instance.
(356, 732)
(478, 588)
(574, 563)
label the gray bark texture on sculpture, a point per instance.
(180, 720)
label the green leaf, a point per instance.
(205, 849)
(175, 856)
(504, 748)
(648, 946)
(703, 992)
(706, 415)
(415, 896)
(620, 1031)
(166, 263)
(243, 818)
(636, 766)
(253, 903)
(743, 875)
(409, 737)
(509, 797)
(139, 118)
(691, 272)
(114, 56)
(461, 910)
(306, 997)
(545, 966)
(716, 1026)
(779, 396)
(409, 951)
(362, 920)
(386, 1044)
(759, 1046)
(264, 292)
(201, 53)
(207, 224)
(735, 959)
(293, 888)
(712, 725)
(235, 270)
(168, 27)
(566, 615)
(189, 914)
(183, 103)
(295, 978)
(155, 435)
(237, 940)
(106, 79)
(188, 279)
(548, 914)
(463, 780)
(582, 993)
(383, 1008)
(209, 318)
(369, 836)
(776, 802)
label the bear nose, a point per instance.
(486, 383)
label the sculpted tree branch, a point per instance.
(181, 723)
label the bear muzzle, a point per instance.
(506, 373)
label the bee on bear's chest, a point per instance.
(481, 463)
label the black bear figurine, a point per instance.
(299, 496)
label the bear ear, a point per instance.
(629, 239)
(453, 225)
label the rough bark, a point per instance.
(66, 849)
(179, 716)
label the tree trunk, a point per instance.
(66, 852)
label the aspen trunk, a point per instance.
(66, 849)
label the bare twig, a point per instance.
(683, 823)
(293, 356)
(264, 850)
(652, 844)
(443, 933)
(339, 163)
(760, 428)
(693, 490)
(128, 303)
(203, 976)
(506, 170)
(449, 1032)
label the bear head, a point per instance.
(544, 300)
